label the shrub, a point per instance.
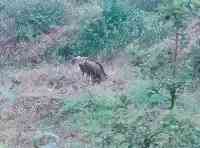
(34, 17)
(147, 5)
(116, 122)
(147, 92)
(115, 28)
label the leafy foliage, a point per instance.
(115, 121)
(114, 29)
(147, 5)
(135, 119)
(147, 92)
(164, 65)
(175, 11)
(196, 61)
(34, 17)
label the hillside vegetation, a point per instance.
(150, 51)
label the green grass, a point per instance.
(115, 121)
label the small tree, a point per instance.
(163, 65)
(175, 12)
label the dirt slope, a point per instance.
(39, 94)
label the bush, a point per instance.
(147, 92)
(115, 28)
(34, 17)
(116, 122)
(147, 5)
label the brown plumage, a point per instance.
(95, 70)
(91, 68)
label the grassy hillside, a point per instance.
(150, 50)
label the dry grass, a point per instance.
(40, 92)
